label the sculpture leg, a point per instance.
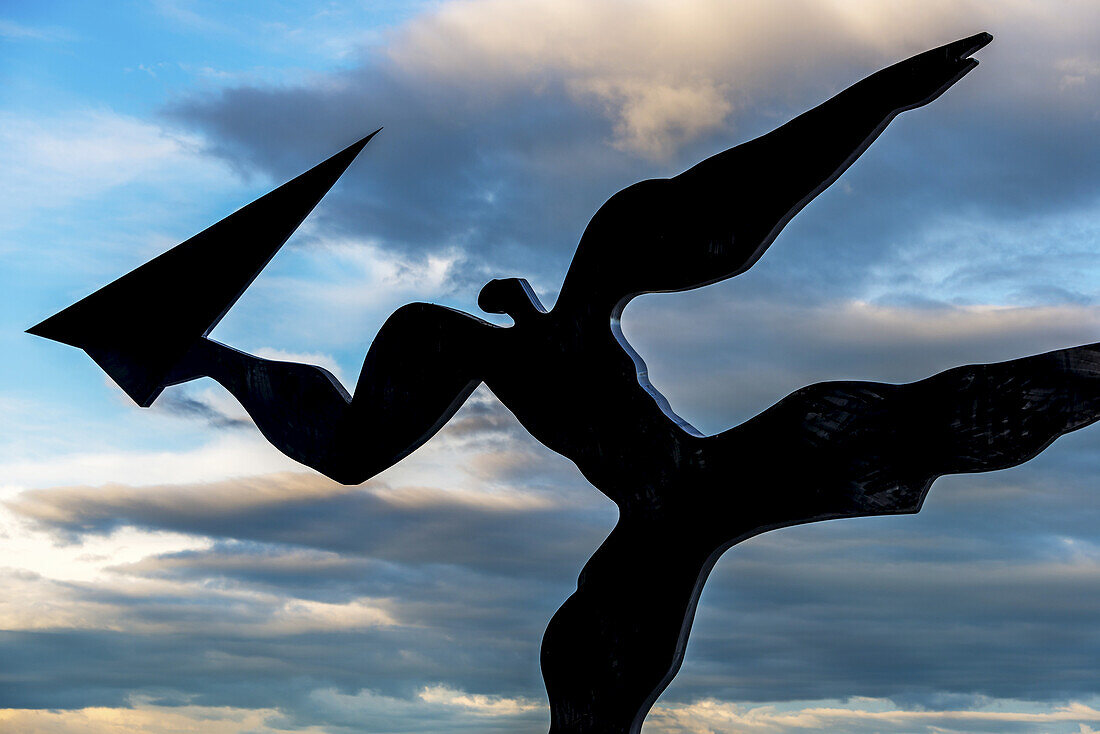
(615, 644)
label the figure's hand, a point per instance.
(920, 79)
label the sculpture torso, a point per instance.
(576, 389)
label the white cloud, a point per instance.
(667, 72)
(31, 550)
(477, 703)
(657, 118)
(334, 294)
(476, 467)
(30, 602)
(1077, 72)
(709, 716)
(146, 718)
(225, 456)
(426, 497)
(87, 503)
(50, 161)
(466, 708)
(295, 616)
(20, 32)
(372, 276)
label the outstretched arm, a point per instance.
(848, 449)
(771, 178)
(424, 363)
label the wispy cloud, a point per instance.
(118, 605)
(13, 31)
(708, 716)
(669, 73)
(149, 718)
(453, 708)
(52, 161)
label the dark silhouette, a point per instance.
(139, 327)
(832, 450)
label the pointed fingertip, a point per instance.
(359, 144)
(40, 329)
(974, 43)
(981, 40)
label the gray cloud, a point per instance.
(185, 405)
(409, 525)
(991, 591)
(502, 149)
(721, 355)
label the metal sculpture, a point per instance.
(831, 450)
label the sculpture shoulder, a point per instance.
(577, 391)
(430, 320)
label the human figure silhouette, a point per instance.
(831, 450)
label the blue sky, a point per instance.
(165, 569)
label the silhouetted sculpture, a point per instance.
(832, 450)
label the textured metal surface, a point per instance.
(832, 450)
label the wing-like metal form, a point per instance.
(139, 326)
(866, 448)
(716, 219)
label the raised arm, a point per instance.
(771, 178)
(716, 219)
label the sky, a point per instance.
(165, 570)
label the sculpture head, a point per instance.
(512, 296)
